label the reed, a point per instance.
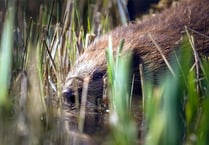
(36, 56)
(123, 127)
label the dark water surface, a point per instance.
(96, 129)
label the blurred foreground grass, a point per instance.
(35, 58)
(176, 112)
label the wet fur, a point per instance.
(166, 28)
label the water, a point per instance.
(96, 125)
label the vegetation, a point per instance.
(175, 111)
(37, 53)
(123, 128)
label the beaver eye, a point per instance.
(97, 75)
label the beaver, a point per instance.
(166, 28)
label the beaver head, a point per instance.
(90, 64)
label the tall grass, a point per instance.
(174, 112)
(123, 127)
(33, 70)
(32, 75)
(6, 57)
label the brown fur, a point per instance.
(166, 29)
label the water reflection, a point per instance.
(96, 128)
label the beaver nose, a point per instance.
(68, 95)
